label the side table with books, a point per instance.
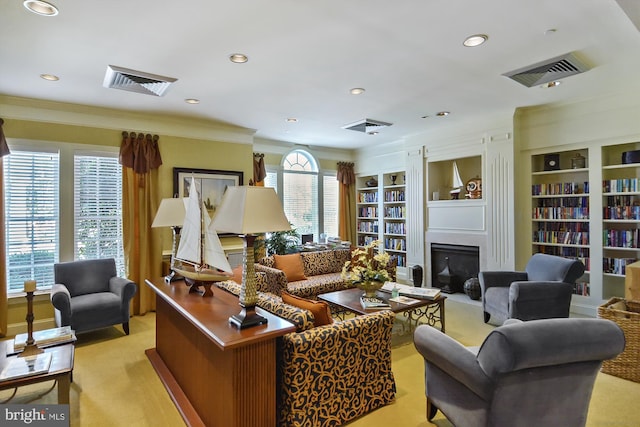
(54, 363)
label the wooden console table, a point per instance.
(217, 375)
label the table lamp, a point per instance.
(171, 214)
(247, 211)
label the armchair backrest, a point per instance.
(550, 268)
(549, 342)
(86, 276)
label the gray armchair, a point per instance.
(537, 373)
(88, 295)
(542, 291)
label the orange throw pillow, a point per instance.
(291, 265)
(237, 274)
(320, 309)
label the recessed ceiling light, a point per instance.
(356, 91)
(40, 7)
(49, 77)
(552, 84)
(373, 132)
(425, 117)
(475, 40)
(442, 113)
(292, 120)
(192, 101)
(238, 58)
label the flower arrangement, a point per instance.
(366, 265)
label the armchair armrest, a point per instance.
(122, 287)
(453, 358)
(488, 279)
(537, 300)
(61, 301)
(276, 280)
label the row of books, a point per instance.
(368, 197)
(560, 213)
(368, 212)
(621, 212)
(395, 212)
(623, 185)
(616, 265)
(560, 188)
(581, 288)
(621, 238)
(562, 237)
(368, 226)
(394, 196)
(395, 228)
(563, 226)
(563, 202)
(395, 244)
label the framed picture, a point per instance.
(211, 183)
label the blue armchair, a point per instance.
(537, 373)
(88, 295)
(542, 291)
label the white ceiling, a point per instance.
(304, 57)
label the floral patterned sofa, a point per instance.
(322, 270)
(328, 375)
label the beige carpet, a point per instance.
(114, 384)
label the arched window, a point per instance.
(309, 196)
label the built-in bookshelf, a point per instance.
(561, 209)
(381, 213)
(394, 212)
(620, 215)
(367, 211)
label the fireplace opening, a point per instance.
(452, 265)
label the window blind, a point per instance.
(31, 205)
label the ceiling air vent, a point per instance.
(136, 81)
(549, 70)
(367, 125)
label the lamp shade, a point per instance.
(170, 213)
(250, 210)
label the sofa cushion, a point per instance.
(320, 309)
(291, 265)
(320, 262)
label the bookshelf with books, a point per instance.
(394, 212)
(620, 214)
(561, 209)
(367, 210)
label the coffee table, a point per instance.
(424, 311)
(60, 369)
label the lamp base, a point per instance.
(172, 277)
(247, 318)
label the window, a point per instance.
(309, 196)
(47, 222)
(31, 217)
(98, 208)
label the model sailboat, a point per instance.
(201, 257)
(457, 182)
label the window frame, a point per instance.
(66, 209)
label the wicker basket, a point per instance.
(627, 315)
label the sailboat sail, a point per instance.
(198, 248)
(457, 181)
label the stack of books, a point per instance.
(19, 367)
(373, 303)
(412, 291)
(45, 338)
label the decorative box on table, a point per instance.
(626, 314)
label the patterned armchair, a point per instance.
(330, 374)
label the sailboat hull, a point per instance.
(203, 275)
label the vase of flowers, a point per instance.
(367, 268)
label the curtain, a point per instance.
(346, 204)
(4, 308)
(140, 158)
(259, 171)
